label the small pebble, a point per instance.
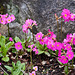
(60, 66)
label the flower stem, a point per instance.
(61, 29)
(8, 30)
(57, 30)
(33, 35)
(31, 58)
(72, 59)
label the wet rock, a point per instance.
(43, 12)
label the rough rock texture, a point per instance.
(43, 12)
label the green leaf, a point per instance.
(40, 51)
(17, 39)
(29, 50)
(14, 50)
(28, 38)
(17, 71)
(45, 47)
(23, 66)
(47, 53)
(0, 50)
(18, 63)
(59, 62)
(5, 73)
(66, 70)
(1, 55)
(23, 44)
(13, 64)
(6, 59)
(21, 73)
(32, 43)
(8, 45)
(9, 68)
(2, 41)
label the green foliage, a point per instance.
(4, 48)
(66, 70)
(17, 68)
(17, 39)
(42, 49)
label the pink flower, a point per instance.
(59, 53)
(72, 17)
(74, 41)
(34, 22)
(39, 36)
(12, 17)
(8, 19)
(29, 22)
(68, 47)
(69, 55)
(50, 44)
(10, 39)
(35, 68)
(3, 21)
(63, 59)
(0, 63)
(35, 50)
(33, 73)
(66, 14)
(31, 46)
(58, 45)
(18, 45)
(25, 27)
(42, 41)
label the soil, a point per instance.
(46, 65)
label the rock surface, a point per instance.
(43, 12)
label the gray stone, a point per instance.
(43, 12)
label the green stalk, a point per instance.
(25, 36)
(8, 30)
(0, 24)
(31, 59)
(57, 30)
(61, 29)
(72, 59)
(32, 35)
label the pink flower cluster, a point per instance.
(66, 45)
(18, 46)
(70, 39)
(10, 39)
(34, 49)
(28, 24)
(52, 44)
(4, 19)
(67, 15)
(33, 72)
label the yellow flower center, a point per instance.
(65, 59)
(32, 73)
(52, 45)
(2, 21)
(18, 45)
(50, 41)
(42, 40)
(39, 36)
(29, 23)
(65, 15)
(68, 46)
(72, 16)
(57, 45)
(9, 20)
(69, 55)
(35, 68)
